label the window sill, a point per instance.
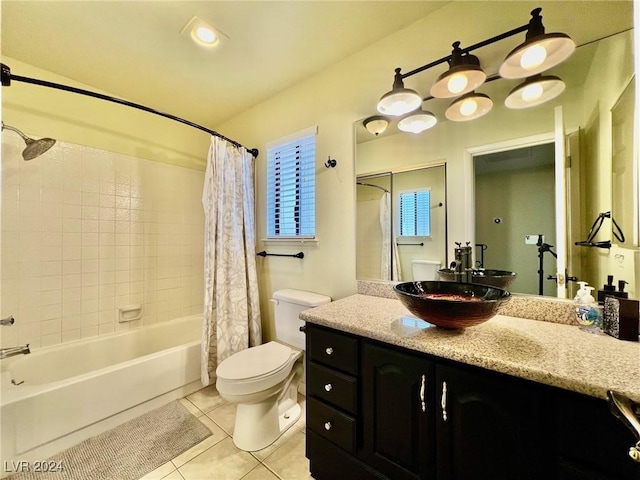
(312, 242)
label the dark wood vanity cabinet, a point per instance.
(391, 413)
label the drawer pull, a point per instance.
(328, 425)
(328, 387)
(329, 350)
(443, 401)
(424, 405)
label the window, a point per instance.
(415, 213)
(291, 186)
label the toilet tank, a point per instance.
(425, 269)
(287, 307)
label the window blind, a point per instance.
(415, 213)
(291, 186)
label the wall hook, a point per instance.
(330, 163)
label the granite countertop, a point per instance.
(550, 353)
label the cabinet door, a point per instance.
(590, 439)
(396, 411)
(486, 427)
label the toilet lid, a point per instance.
(254, 362)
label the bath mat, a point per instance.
(129, 451)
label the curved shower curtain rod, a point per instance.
(7, 77)
(372, 185)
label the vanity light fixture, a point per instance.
(376, 124)
(463, 76)
(534, 91)
(203, 33)
(469, 107)
(538, 53)
(417, 121)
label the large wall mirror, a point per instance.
(506, 159)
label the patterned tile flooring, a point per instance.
(217, 458)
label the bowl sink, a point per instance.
(494, 278)
(450, 304)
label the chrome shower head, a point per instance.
(34, 148)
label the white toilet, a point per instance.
(263, 380)
(425, 269)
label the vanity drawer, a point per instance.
(333, 349)
(332, 386)
(331, 424)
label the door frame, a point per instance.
(469, 174)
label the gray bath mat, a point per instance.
(129, 451)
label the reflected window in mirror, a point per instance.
(414, 213)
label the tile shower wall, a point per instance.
(86, 231)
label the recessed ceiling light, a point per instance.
(202, 33)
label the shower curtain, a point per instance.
(231, 320)
(389, 264)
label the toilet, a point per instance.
(425, 269)
(263, 380)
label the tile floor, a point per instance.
(217, 458)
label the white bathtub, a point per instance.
(66, 393)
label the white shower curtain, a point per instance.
(389, 264)
(231, 308)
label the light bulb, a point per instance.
(457, 83)
(533, 57)
(468, 107)
(532, 92)
(206, 35)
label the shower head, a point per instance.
(34, 148)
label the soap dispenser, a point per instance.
(587, 313)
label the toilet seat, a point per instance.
(255, 369)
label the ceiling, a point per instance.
(134, 49)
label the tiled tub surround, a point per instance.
(86, 231)
(545, 352)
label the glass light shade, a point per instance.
(376, 124)
(417, 122)
(537, 55)
(458, 80)
(469, 107)
(399, 101)
(534, 91)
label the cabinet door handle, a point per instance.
(634, 452)
(443, 401)
(328, 387)
(328, 425)
(424, 405)
(329, 350)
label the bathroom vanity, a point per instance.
(390, 397)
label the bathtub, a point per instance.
(58, 396)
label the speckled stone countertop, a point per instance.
(542, 351)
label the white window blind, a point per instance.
(415, 213)
(291, 186)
